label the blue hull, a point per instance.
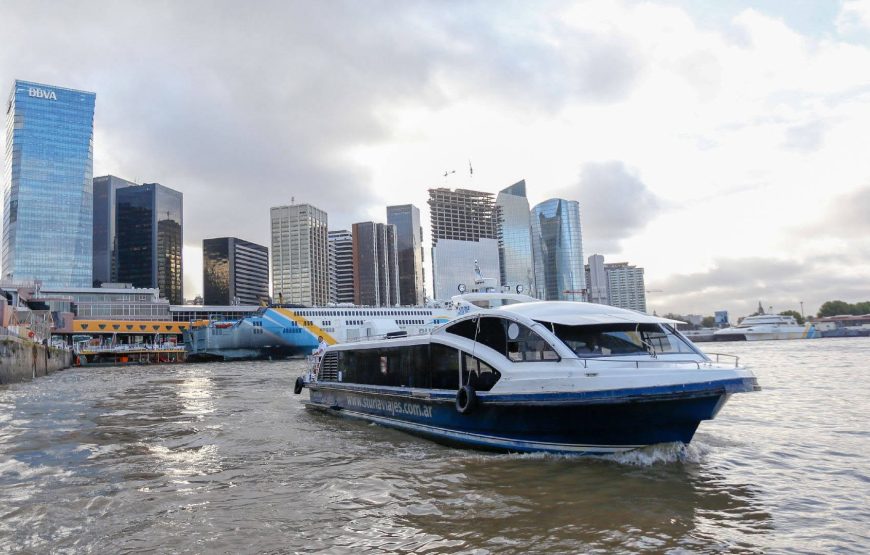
(582, 423)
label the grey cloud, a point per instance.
(738, 284)
(242, 107)
(845, 216)
(614, 204)
(806, 137)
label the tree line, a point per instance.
(838, 308)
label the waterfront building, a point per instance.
(48, 185)
(341, 267)
(105, 255)
(465, 230)
(375, 265)
(234, 272)
(226, 313)
(558, 251)
(300, 255)
(596, 280)
(111, 301)
(149, 229)
(409, 241)
(516, 265)
(625, 286)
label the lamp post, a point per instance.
(802, 309)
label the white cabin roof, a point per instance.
(573, 313)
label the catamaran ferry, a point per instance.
(563, 377)
(280, 332)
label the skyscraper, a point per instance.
(105, 262)
(149, 230)
(341, 267)
(465, 230)
(300, 255)
(515, 248)
(375, 265)
(625, 286)
(409, 241)
(234, 272)
(48, 185)
(558, 251)
(596, 280)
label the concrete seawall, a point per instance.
(21, 360)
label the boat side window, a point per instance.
(524, 345)
(477, 373)
(622, 339)
(514, 340)
(444, 366)
(465, 328)
(405, 366)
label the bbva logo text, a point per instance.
(41, 93)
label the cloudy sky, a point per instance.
(723, 146)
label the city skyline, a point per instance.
(733, 130)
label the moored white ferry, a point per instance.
(561, 377)
(764, 327)
(277, 332)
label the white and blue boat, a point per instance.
(561, 377)
(284, 331)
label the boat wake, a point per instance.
(661, 453)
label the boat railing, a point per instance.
(313, 361)
(123, 347)
(699, 364)
(720, 356)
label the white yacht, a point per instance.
(763, 327)
(563, 377)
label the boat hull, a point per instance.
(579, 423)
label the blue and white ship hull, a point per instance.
(580, 423)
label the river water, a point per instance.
(224, 458)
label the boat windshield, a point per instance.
(621, 339)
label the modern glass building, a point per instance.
(300, 255)
(558, 251)
(341, 267)
(105, 258)
(48, 186)
(234, 272)
(375, 265)
(409, 241)
(516, 266)
(465, 232)
(149, 230)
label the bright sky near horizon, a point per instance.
(720, 145)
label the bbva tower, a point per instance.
(48, 185)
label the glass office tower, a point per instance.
(47, 185)
(234, 272)
(105, 247)
(150, 239)
(375, 264)
(515, 248)
(465, 232)
(558, 251)
(409, 241)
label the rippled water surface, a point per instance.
(224, 458)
